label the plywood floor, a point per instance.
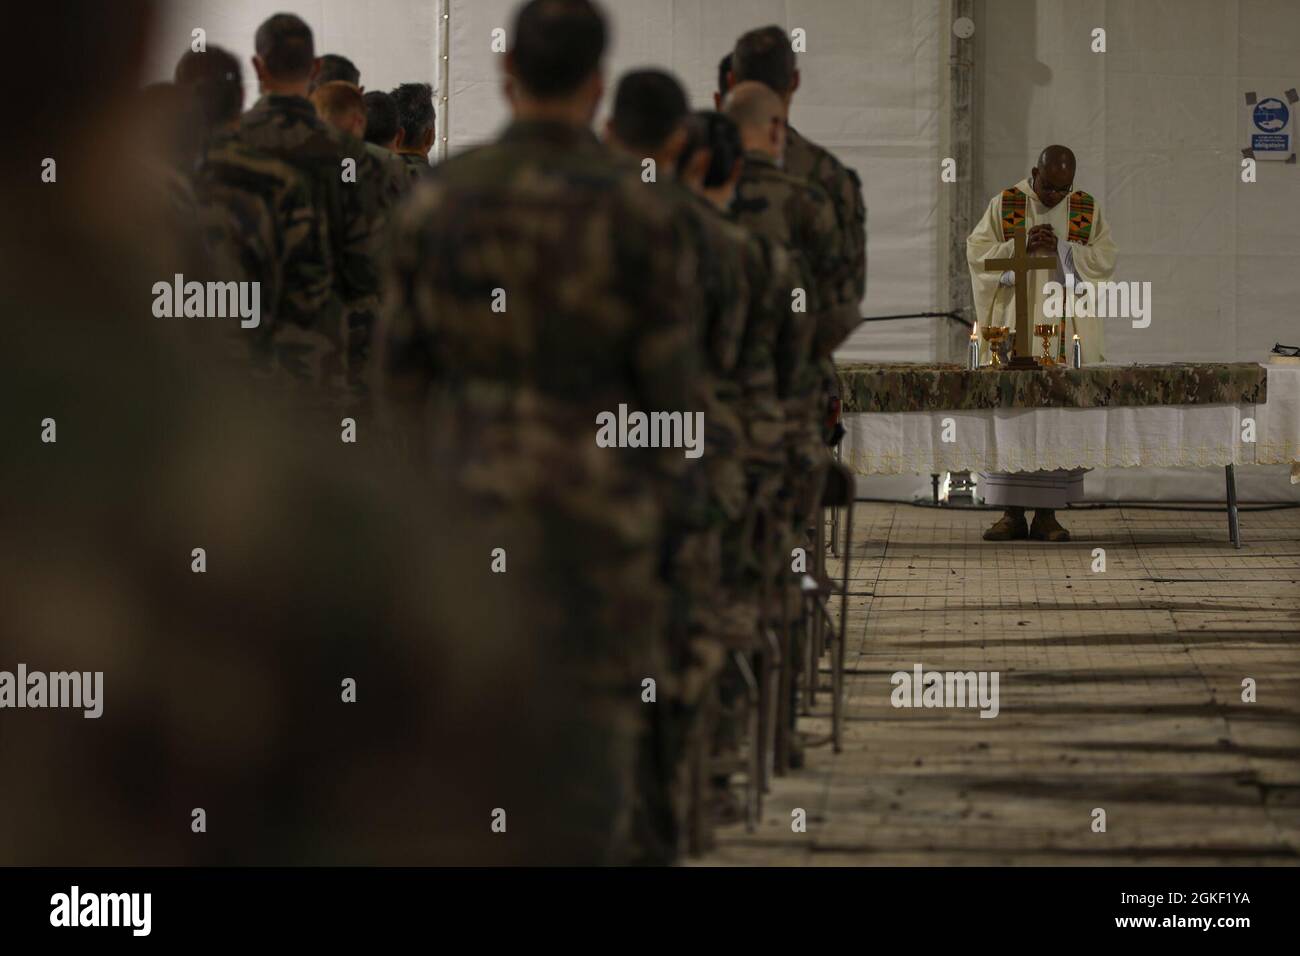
(1119, 690)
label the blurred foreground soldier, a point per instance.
(336, 68)
(225, 691)
(256, 212)
(416, 121)
(538, 289)
(349, 189)
(648, 125)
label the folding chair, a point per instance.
(839, 492)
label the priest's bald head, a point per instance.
(1053, 177)
(760, 115)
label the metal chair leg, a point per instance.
(784, 674)
(837, 657)
(754, 786)
(1234, 528)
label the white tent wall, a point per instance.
(872, 82)
(1155, 122)
(390, 41)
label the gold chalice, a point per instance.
(996, 336)
(1045, 331)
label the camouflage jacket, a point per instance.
(416, 167)
(535, 284)
(397, 180)
(355, 207)
(798, 216)
(768, 280)
(259, 219)
(809, 161)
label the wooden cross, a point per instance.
(1022, 264)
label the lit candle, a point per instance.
(1076, 357)
(973, 353)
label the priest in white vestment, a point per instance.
(1068, 225)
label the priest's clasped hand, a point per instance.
(1042, 238)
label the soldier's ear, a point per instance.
(794, 84)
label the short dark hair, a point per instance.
(381, 117)
(724, 67)
(557, 45)
(284, 44)
(415, 112)
(765, 55)
(335, 66)
(721, 136)
(648, 106)
(215, 83)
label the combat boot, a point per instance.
(1047, 528)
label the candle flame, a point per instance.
(1076, 336)
(975, 329)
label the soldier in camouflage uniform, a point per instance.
(347, 183)
(258, 218)
(648, 125)
(536, 284)
(765, 56)
(797, 215)
(222, 690)
(712, 165)
(416, 129)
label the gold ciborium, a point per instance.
(997, 336)
(1046, 331)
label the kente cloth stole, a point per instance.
(1013, 212)
(1082, 212)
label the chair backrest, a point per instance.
(841, 486)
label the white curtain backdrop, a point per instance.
(871, 88)
(390, 41)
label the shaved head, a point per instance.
(759, 114)
(1053, 177)
(752, 105)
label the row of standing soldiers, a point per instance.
(483, 320)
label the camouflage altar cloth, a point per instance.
(933, 387)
